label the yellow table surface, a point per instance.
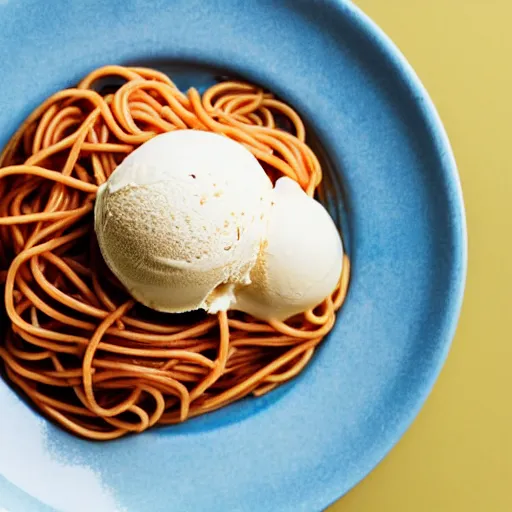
(457, 456)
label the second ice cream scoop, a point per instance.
(300, 261)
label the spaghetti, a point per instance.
(83, 351)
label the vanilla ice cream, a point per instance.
(300, 261)
(181, 221)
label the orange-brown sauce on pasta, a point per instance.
(82, 350)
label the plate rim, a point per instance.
(368, 27)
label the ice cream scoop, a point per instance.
(300, 261)
(181, 220)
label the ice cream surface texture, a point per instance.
(300, 261)
(181, 220)
(190, 220)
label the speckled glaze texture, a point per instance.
(303, 446)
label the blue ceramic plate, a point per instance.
(306, 444)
